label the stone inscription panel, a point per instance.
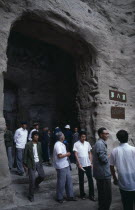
(117, 112)
(117, 96)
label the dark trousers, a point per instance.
(33, 181)
(128, 199)
(90, 181)
(45, 152)
(104, 193)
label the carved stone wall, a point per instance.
(86, 98)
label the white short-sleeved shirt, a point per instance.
(59, 163)
(83, 150)
(123, 157)
(35, 153)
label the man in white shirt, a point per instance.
(33, 161)
(83, 155)
(35, 128)
(123, 158)
(20, 139)
(61, 164)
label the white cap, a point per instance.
(67, 126)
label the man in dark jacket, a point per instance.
(33, 161)
(75, 136)
(101, 170)
(45, 146)
(8, 137)
(68, 136)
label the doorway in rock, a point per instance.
(40, 83)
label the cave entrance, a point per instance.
(40, 83)
(54, 72)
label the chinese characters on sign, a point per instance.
(117, 112)
(117, 96)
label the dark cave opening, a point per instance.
(41, 82)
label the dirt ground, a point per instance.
(45, 197)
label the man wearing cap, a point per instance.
(68, 136)
(35, 128)
(56, 130)
(61, 164)
(33, 161)
(20, 139)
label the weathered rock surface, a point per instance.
(100, 36)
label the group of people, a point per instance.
(15, 144)
(94, 162)
(103, 167)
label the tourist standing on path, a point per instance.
(54, 135)
(50, 146)
(123, 157)
(83, 155)
(68, 136)
(33, 161)
(75, 136)
(8, 138)
(61, 164)
(45, 146)
(35, 128)
(101, 170)
(20, 139)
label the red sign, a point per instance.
(117, 96)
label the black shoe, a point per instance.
(92, 198)
(83, 198)
(31, 198)
(61, 201)
(20, 174)
(72, 199)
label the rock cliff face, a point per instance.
(96, 40)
